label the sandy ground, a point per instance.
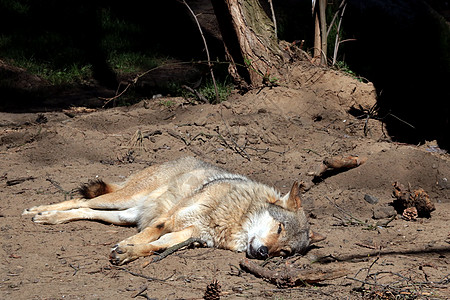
(274, 135)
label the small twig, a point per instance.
(371, 265)
(311, 150)
(63, 191)
(152, 133)
(337, 40)
(237, 148)
(178, 136)
(107, 100)
(365, 246)
(142, 275)
(140, 292)
(172, 250)
(199, 95)
(389, 114)
(18, 180)
(349, 219)
(274, 19)
(266, 150)
(335, 16)
(385, 223)
(76, 269)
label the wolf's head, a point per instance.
(281, 229)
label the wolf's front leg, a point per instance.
(125, 252)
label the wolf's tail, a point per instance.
(95, 188)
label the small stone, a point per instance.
(200, 122)
(226, 104)
(443, 183)
(383, 212)
(370, 199)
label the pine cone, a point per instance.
(410, 214)
(407, 198)
(212, 291)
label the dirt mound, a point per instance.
(274, 135)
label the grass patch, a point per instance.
(224, 89)
(132, 62)
(53, 49)
(343, 67)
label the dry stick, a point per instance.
(334, 17)
(19, 180)
(135, 80)
(352, 220)
(142, 275)
(397, 286)
(274, 20)
(337, 40)
(199, 96)
(206, 49)
(323, 29)
(141, 292)
(291, 276)
(172, 250)
(241, 151)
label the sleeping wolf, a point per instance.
(185, 198)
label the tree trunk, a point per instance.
(250, 41)
(317, 41)
(323, 29)
(320, 32)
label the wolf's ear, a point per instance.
(291, 201)
(315, 237)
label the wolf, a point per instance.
(189, 198)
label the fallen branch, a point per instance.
(291, 276)
(172, 250)
(337, 163)
(363, 256)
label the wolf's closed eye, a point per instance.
(280, 228)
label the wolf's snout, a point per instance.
(257, 251)
(263, 252)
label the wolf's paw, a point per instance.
(48, 217)
(122, 254)
(32, 210)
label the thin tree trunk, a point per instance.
(317, 40)
(323, 29)
(250, 41)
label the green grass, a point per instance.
(224, 89)
(63, 55)
(132, 62)
(71, 43)
(343, 67)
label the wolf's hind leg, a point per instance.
(121, 199)
(117, 217)
(124, 253)
(65, 205)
